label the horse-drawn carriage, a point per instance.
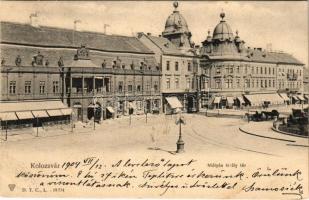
(263, 115)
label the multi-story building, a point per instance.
(178, 61)
(94, 74)
(306, 83)
(231, 72)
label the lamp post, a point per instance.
(94, 107)
(72, 125)
(37, 125)
(180, 143)
(146, 114)
(6, 130)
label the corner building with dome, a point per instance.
(226, 73)
(179, 63)
(235, 76)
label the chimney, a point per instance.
(269, 47)
(140, 34)
(149, 34)
(160, 35)
(34, 19)
(76, 27)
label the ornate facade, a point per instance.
(94, 74)
(179, 63)
(232, 71)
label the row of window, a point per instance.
(292, 71)
(189, 83)
(247, 69)
(168, 66)
(138, 87)
(248, 84)
(28, 87)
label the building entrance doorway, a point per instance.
(148, 106)
(94, 111)
(191, 105)
(77, 111)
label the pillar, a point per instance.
(83, 84)
(93, 85)
(71, 81)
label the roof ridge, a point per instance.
(66, 29)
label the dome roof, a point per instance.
(176, 22)
(223, 31)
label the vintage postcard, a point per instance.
(154, 99)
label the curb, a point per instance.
(291, 134)
(265, 136)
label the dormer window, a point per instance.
(141, 65)
(114, 64)
(18, 61)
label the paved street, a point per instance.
(201, 134)
(207, 140)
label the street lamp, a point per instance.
(145, 111)
(6, 130)
(37, 125)
(72, 124)
(94, 109)
(180, 143)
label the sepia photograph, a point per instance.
(154, 99)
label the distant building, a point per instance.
(178, 61)
(234, 75)
(96, 75)
(306, 83)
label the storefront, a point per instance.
(25, 114)
(264, 100)
(173, 105)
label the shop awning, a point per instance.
(173, 102)
(178, 110)
(8, 116)
(217, 100)
(66, 111)
(54, 113)
(301, 97)
(258, 99)
(241, 100)
(285, 96)
(31, 105)
(110, 109)
(24, 115)
(254, 101)
(230, 100)
(39, 113)
(295, 98)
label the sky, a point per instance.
(283, 24)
